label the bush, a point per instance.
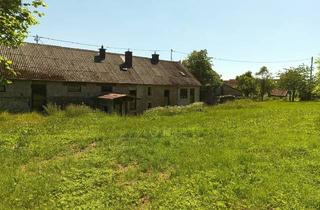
(52, 109)
(78, 110)
(4, 116)
(175, 110)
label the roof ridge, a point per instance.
(94, 51)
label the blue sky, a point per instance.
(254, 30)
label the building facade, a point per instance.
(111, 82)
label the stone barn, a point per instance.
(120, 83)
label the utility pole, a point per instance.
(171, 54)
(311, 69)
(37, 39)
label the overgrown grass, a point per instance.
(240, 155)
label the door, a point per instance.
(38, 97)
(167, 97)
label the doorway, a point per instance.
(38, 97)
(167, 97)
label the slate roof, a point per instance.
(54, 63)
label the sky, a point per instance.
(259, 31)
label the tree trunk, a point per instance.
(293, 96)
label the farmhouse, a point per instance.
(125, 84)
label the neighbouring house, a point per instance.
(229, 88)
(125, 84)
(280, 93)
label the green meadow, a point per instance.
(240, 155)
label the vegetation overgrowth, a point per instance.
(240, 155)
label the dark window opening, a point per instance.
(133, 104)
(74, 88)
(106, 88)
(183, 93)
(2, 88)
(149, 105)
(149, 91)
(192, 95)
(166, 93)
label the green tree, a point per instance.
(316, 89)
(264, 81)
(297, 81)
(247, 84)
(200, 65)
(16, 18)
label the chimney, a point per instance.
(101, 56)
(128, 59)
(102, 53)
(155, 59)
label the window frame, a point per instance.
(149, 91)
(133, 104)
(185, 94)
(193, 95)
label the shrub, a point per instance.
(73, 110)
(175, 110)
(52, 109)
(4, 116)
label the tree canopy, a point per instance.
(297, 81)
(16, 18)
(247, 84)
(264, 81)
(200, 65)
(316, 89)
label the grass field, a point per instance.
(241, 155)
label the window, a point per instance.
(2, 88)
(149, 105)
(167, 93)
(133, 104)
(192, 95)
(183, 93)
(106, 88)
(149, 91)
(74, 88)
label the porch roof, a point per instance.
(114, 96)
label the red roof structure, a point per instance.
(279, 93)
(232, 83)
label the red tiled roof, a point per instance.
(279, 93)
(232, 83)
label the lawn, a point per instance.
(241, 155)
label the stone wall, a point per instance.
(17, 97)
